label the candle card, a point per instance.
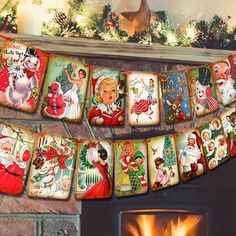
(52, 167)
(22, 71)
(94, 170)
(65, 89)
(130, 167)
(16, 144)
(143, 98)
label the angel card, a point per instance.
(16, 144)
(215, 144)
(22, 70)
(130, 167)
(175, 97)
(94, 170)
(65, 89)
(107, 97)
(225, 78)
(162, 163)
(52, 167)
(191, 158)
(202, 92)
(228, 120)
(143, 99)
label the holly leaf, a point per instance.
(10, 61)
(1, 65)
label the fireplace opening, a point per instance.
(163, 222)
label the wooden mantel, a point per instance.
(98, 48)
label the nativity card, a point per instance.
(162, 163)
(224, 76)
(94, 172)
(215, 144)
(130, 168)
(175, 97)
(52, 167)
(202, 91)
(191, 158)
(16, 144)
(107, 97)
(65, 89)
(143, 98)
(22, 70)
(228, 120)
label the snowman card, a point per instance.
(130, 168)
(16, 144)
(215, 144)
(65, 89)
(162, 163)
(228, 120)
(224, 76)
(191, 158)
(107, 97)
(143, 98)
(175, 97)
(94, 172)
(22, 70)
(52, 167)
(202, 91)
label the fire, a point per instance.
(149, 225)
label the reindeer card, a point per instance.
(52, 167)
(175, 97)
(130, 167)
(191, 158)
(107, 97)
(22, 71)
(16, 144)
(228, 120)
(65, 89)
(224, 76)
(143, 99)
(94, 170)
(162, 163)
(215, 144)
(202, 92)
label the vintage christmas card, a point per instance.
(65, 89)
(130, 167)
(162, 162)
(94, 172)
(143, 98)
(52, 167)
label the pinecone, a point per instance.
(60, 18)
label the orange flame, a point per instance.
(150, 225)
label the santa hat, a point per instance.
(6, 139)
(192, 136)
(25, 153)
(55, 87)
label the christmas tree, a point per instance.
(168, 152)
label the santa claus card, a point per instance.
(22, 71)
(175, 97)
(130, 167)
(94, 172)
(16, 144)
(191, 158)
(143, 98)
(52, 167)
(65, 89)
(202, 91)
(162, 162)
(224, 76)
(228, 120)
(107, 97)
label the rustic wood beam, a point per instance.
(98, 48)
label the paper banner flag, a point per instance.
(16, 144)
(162, 162)
(107, 97)
(65, 89)
(52, 167)
(94, 170)
(22, 70)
